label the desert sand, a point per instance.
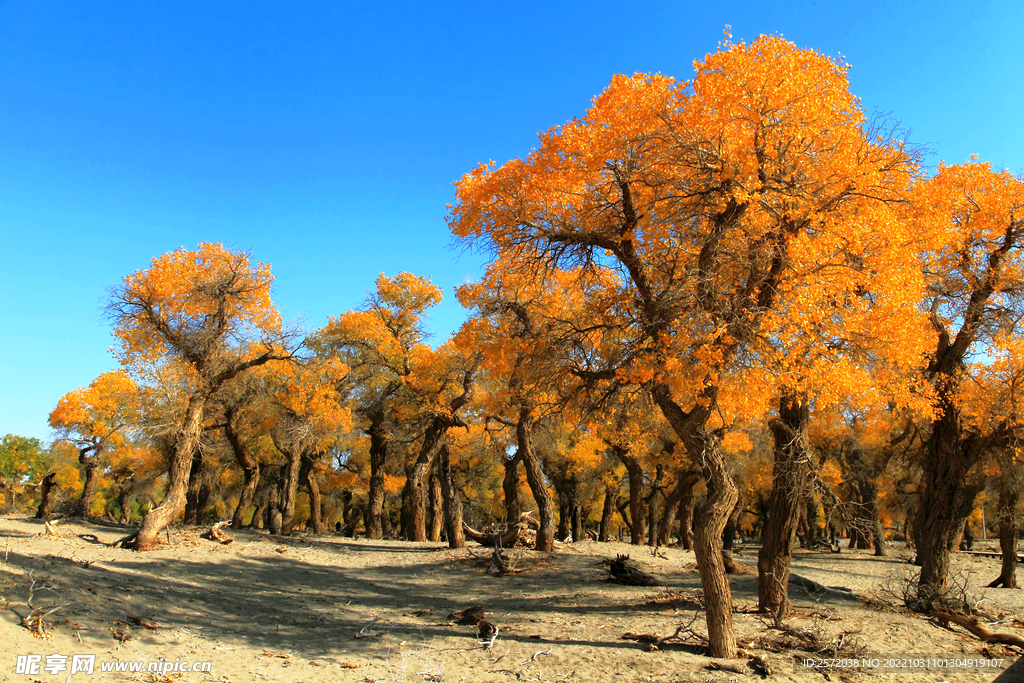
(317, 609)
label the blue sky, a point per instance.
(325, 138)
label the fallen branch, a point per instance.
(215, 534)
(974, 625)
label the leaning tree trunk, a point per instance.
(84, 505)
(611, 497)
(947, 498)
(375, 496)
(535, 478)
(789, 478)
(45, 487)
(452, 504)
(185, 444)
(1008, 498)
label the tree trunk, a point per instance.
(45, 487)
(789, 477)
(124, 500)
(84, 505)
(185, 444)
(686, 512)
(611, 497)
(194, 495)
(414, 495)
(308, 476)
(510, 488)
(452, 504)
(652, 505)
(375, 496)
(251, 478)
(635, 475)
(290, 490)
(436, 507)
(666, 525)
(707, 547)
(1009, 496)
(947, 498)
(535, 478)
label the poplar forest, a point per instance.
(731, 328)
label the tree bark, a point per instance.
(510, 488)
(45, 487)
(789, 478)
(91, 462)
(250, 470)
(414, 495)
(1009, 496)
(375, 496)
(635, 474)
(686, 512)
(611, 497)
(196, 497)
(947, 498)
(290, 489)
(452, 504)
(308, 476)
(436, 507)
(185, 444)
(652, 505)
(684, 482)
(535, 478)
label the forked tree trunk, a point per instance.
(1009, 496)
(611, 498)
(436, 507)
(535, 478)
(185, 444)
(45, 487)
(375, 496)
(789, 476)
(414, 494)
(452, 504)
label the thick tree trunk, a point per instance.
(1008, 533)
(789, 477)
(535, 478)
(45, 487)
(510, 488)
(84, 505)
(124, 500)
(436, 507)
(947, 498)
(414, 495)
(185, 444)
(375, 496)
(611, 498)
(308, 476)
(452, 504)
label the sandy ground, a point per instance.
(318, 609)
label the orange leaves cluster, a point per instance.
(100, 411)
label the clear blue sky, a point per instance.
(325, 137)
